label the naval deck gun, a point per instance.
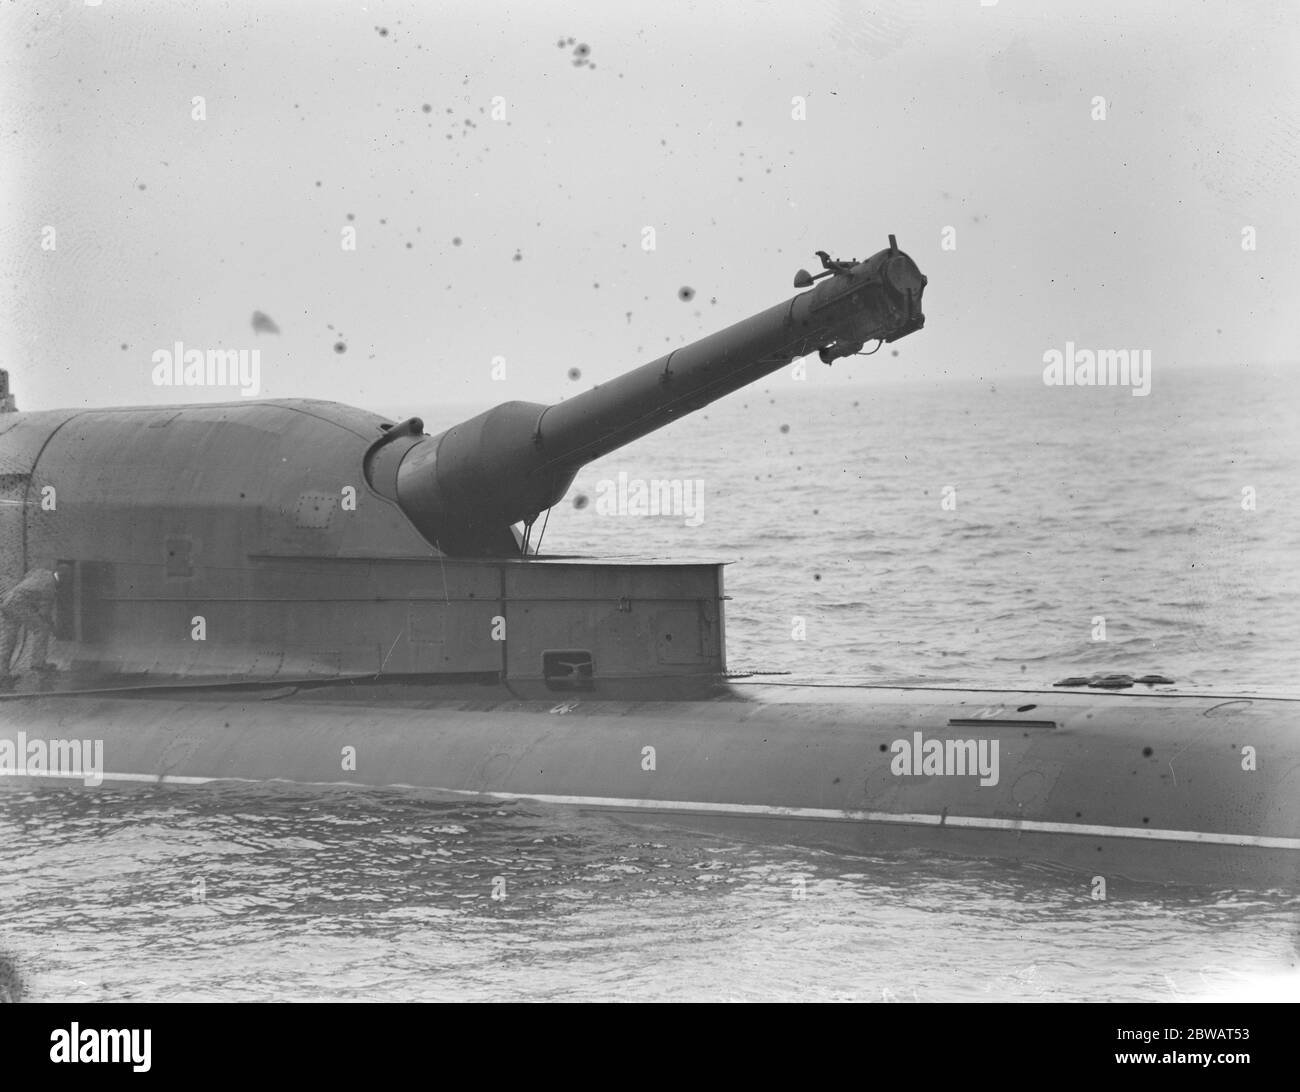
(295, 540)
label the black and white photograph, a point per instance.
(913, 387)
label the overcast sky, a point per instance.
(1123, 232)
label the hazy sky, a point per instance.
(1123, 232)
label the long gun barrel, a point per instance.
(465, 488)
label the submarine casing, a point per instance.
(1135, 789)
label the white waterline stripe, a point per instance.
(913, 819)
(771, 810)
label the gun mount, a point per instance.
(291, 539)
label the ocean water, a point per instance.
(1066, 506)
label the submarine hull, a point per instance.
(1145, 787)
(299, 591)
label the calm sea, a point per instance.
(974, 533)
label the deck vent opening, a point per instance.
(568, 669)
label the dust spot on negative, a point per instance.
(575, 373)
(456, 241)
(686, 293)
(340, 347)
(581, 53)
(427, 108)
(785, 428)
(263, 323)
(382, 31)
(518, 257)
(580, 501)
